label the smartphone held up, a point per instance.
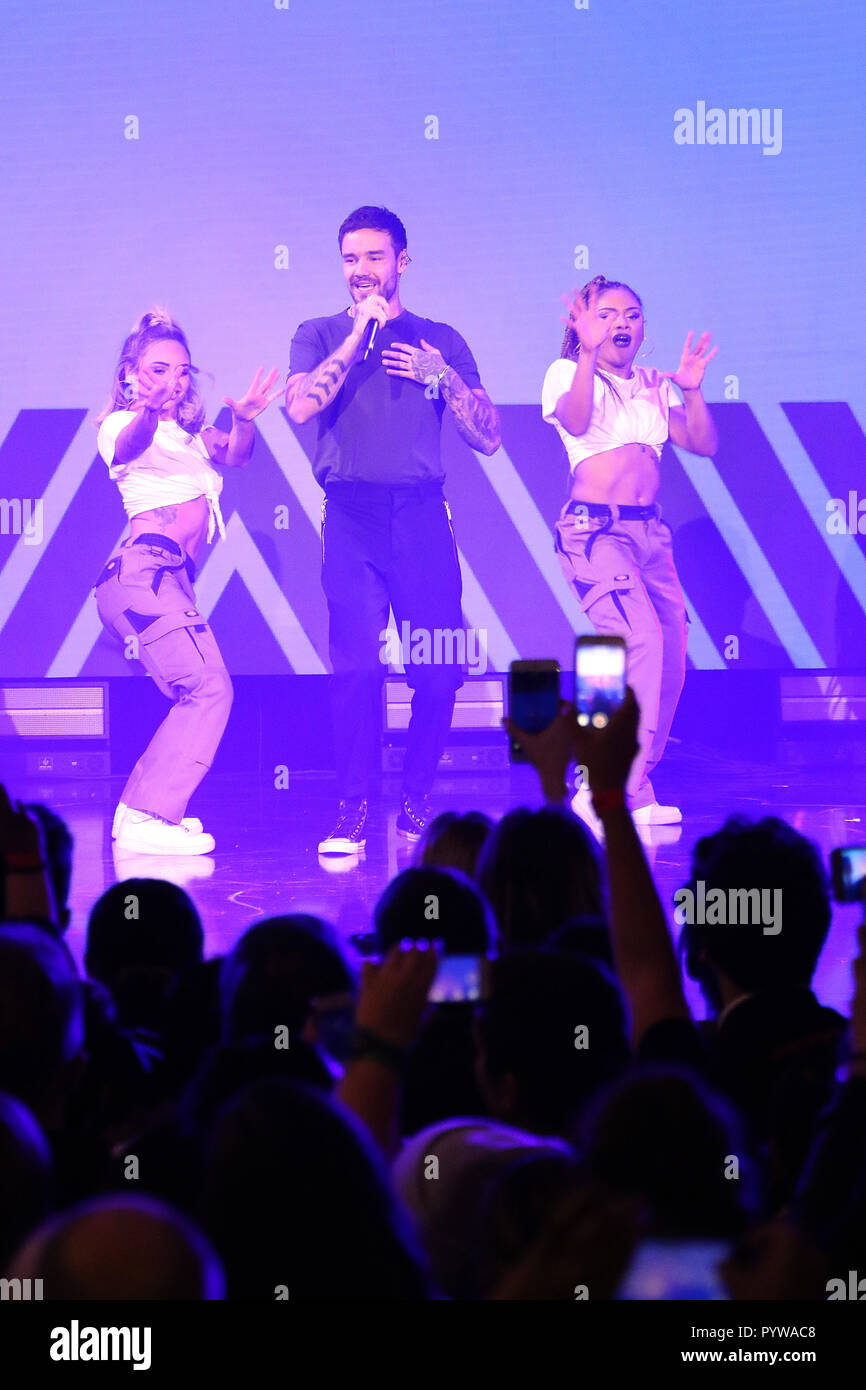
(533, 699)
(599, 678)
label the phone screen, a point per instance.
(675, 1270)
(458, 980)
(599, 670)
(533, 698)
(848, 867)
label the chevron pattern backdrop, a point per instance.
(756, 558)
(203, 156)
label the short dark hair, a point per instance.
(275, 969)
(464, 921)
(375, 220)
(166, 930)
(527, 1028)
(766, 854)
(661, 1134)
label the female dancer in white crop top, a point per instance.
(615, 551)
(161, 458)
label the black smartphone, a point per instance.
(599, 678)
(533, 699)
(848, 872)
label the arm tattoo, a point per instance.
(323, 380)
(425, 365)
(477, 420)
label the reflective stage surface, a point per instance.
(266, 859)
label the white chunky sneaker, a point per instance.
(654, 814)
(148, 835)
(581, 805)
(191, 822)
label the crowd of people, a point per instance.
(297, 1120)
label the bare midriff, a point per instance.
(185, 522)
(628, 475)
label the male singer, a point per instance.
(378, 378)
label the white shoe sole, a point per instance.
(341, 846)
(142, 842)
(657, 815)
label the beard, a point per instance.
(387, 288)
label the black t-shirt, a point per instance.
(380, 428)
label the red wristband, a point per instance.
(611, 799)
(16, 860)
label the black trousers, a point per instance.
(394, 546)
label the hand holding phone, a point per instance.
(393, 994)
(533, 699)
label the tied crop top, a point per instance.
(640, 416)
(175, 467)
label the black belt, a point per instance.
(626, 513)
(164, 543)
(149, 538)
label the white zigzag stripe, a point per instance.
(534, 531)
(812, 491)
(79, 640)
(238, 553)
(702, 649)
(57, 496)
(759, 573)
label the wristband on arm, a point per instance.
(371, 1047)
(22, 863)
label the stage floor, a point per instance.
(266, 858)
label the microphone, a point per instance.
(369, 337)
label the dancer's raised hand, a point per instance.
(257, 398)
(153, 392)
(693, 363)
(584, 319)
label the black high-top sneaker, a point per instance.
(347, 836)
(414, 817)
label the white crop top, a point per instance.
(640, 416)
(176, 467)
